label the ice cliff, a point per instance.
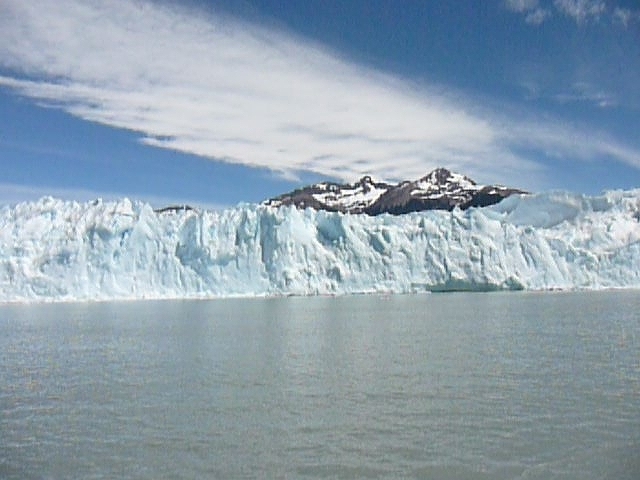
(57, 250)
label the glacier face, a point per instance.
(57, 250)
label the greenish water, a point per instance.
(448, 386)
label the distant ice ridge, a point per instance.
(52, 250)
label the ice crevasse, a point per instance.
(57, 250)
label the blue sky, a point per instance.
(219, 102)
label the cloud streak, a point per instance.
(585, 92)
(521, 6)
(581, 10)
(533, 12)
(217, 87)
(626, 16)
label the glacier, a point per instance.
(55, 250)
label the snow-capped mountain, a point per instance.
(439, 190)
(52, 250)
(335, 197)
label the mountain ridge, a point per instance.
(440, 189)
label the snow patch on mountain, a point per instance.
(438, 190)
(352, 197)
(436, 184)
(53, 250)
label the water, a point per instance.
(448, 386)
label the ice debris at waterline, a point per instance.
(57, 250)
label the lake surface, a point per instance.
(445, 386)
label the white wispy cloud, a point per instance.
(522, 5)
(626, 16)
(586, 92)
(224, 89)
(581, 10)
(534, 14)
(537, 16)
(569, 143)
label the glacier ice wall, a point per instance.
(57, 250)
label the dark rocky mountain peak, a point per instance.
(440, 189)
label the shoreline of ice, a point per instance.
(53, 250)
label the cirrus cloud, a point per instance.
(534, 13)
(581, 10)
(522, 5)
(221, 88)
(626, 16)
